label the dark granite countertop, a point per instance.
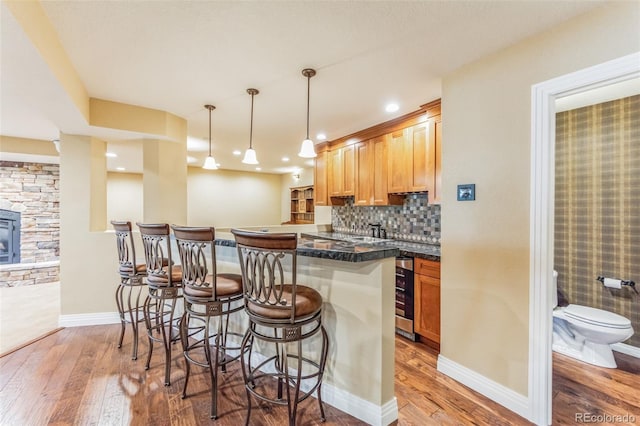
(354, 248)
(405, 248)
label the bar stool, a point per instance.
(164, 281)
(283, 312)
(129, 291)
(207, 295)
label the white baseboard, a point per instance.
(501, 394)
(626, 349)
(79, 320)
(368, 412)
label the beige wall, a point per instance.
(486, 141)
(124, 197)
(225, 198)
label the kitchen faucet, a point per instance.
(377, 231)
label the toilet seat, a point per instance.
(595, 316)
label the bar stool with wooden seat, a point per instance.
(130, 290)
(282, 312)
(164, 281)
(207, 296)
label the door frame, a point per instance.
(543, 96)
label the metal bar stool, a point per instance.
(208, 297)
(282, 312)
(130, 289)
(164, 281)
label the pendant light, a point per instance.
(210, 162)
(250, 154)
(307, 150)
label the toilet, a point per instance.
(586, 333)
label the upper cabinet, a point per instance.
(341, 171)
(437, 189)
(320, 176)
(364, 170)
(379, 164)
(412, 159)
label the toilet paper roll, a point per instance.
(612, 283)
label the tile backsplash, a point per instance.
(414, 220)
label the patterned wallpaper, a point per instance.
(414, 220)
(597, 213)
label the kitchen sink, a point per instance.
(370, 240)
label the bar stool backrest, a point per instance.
(262, 256)
(126, 248)
(156, 240)
(198, 269)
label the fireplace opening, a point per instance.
(9, 237)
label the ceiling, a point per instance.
(178, 56)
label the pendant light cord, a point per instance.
(308, 95)
(251, 126)
(209, 131)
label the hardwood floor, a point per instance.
(580, 388)
(78, 376)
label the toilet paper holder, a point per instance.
(628, 283)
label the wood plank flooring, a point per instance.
(78, 376)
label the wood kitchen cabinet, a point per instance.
(341, 171)
(364, 170)
(412, 159)
(380, 164)
(426, 321)
(437, 136)
(320, 177)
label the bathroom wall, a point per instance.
(597, 216)
(414, 220)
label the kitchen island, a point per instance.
(356, 281)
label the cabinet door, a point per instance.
(364, 173)
(349, 170)
(437, 136)
(427, 307)
(335, 173)
(397, 172)
(421, 158)
(320, 178)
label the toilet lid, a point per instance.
(596, 316)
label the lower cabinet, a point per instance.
(427, 299)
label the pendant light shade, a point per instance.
(307, 149)
(210, 162)
(250, 154)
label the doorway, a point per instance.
(544, 96)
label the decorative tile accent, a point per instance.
(597, 213)
(415, 220)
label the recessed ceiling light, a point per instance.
(285, 159)
(391, 107)
(120, 169)
(258, 168)
(237, 152)
(111, 154)
(321, 136)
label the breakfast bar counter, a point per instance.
(356, 282)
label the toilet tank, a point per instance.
(554, 290)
